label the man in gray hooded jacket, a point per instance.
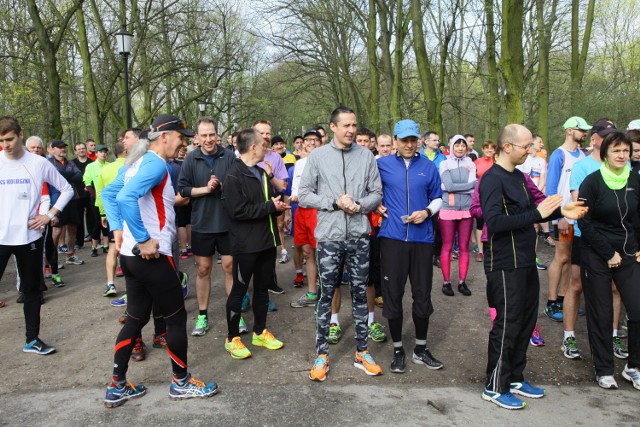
(341, 180)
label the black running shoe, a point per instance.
(275, 289)
(399, 362)
(464, 289)
(426, 358)
(446, 289)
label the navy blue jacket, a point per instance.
(405, 191)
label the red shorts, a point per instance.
(305, 226)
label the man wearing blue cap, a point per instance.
(412, 194)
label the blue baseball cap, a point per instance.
(405, 128)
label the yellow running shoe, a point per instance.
(320, 368)
(364, 361)
(236, 348)
(267, 340)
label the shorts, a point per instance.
(206, 244)
(576, 251)
(305, 227)
(69, 214)
(183, 215)
(562, 237)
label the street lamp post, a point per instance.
(202, 106)
(125, 39)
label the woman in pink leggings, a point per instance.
(458, 174)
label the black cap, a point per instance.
(58, 143)
(277, 139)
(312, 132)
(167, 122)
(603, 127)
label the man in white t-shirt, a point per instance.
(22, 175)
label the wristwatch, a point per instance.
(50, 215)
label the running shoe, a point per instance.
(455, 254)
(118, 396)
(299, 280)
(570, 349)
(160, 340)
(236, 348)
(581, 312)
(503, 400)
(109, 290)
(554, 312)
(123, 319)
(480, 257)
(192, 388)
(379, 301)
(74, 260)
(201, 327)
(525, 389)
(120, 301)
(447, 290)
(190, 251)
(184, 284)
(475, 249)
(105, 249)
(266, 340)
(284, 257)
(536, 339)
(63, 249)
(364, 361)
(246, 303)
(243, 326)
(608, 382)
(271, 306)
(320, 368)
(219, 259)
(20, 299)
(436, 262)
(540, 265)
(119, 272)
(632, 375)
(426, 358)
(47, 273)
(464, 289)
(39, 347)
(399, 362)
(184, 255)
(275, 289)
(305, 301)
(335, 333)
(376, 333)
(94, 252)
(549, 242)
(345, 279)
(619, 350)
(56, 280)
(139, 352)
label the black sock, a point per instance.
(560, 300)
(203, 313)
(419, 349)
(550, 302)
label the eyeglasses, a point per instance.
(526, 147)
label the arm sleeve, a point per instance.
(108, 197)
(497, 220)
(185, 182)
(308, 192)
(553, 172)
(87, 177)
(597, 241)
(434, 192)
(238, 205)
(576, 177)
(295, 181)
(45, 200)
(152, 171)
(280, 170)
(374, 188)
(53, 177)
(98, 184)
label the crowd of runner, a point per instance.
(365, 210)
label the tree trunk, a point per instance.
(579, 54)
(87, 76)
(492, 70)
(374, 72)
(545, 26)
(512, 58)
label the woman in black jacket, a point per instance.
(610, 252)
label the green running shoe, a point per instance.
(202, 325)
(376, 333)
(335, 333)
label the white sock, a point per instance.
(111, 283)
(371, 313)
(284, 251)
(334, 319)
(615, 333)
(568, 334)
(299, 271)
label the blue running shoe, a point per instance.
(554, 312)
(581, 311)
(271, 306)
(38, 347)
(527, 390)
(192, 388)
(184, 283)
(117, 396)
(120, 301)
(345, 279)
(504, 400)
(246, 303)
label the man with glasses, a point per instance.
(139, 206)
(561, 163)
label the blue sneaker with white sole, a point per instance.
(120, 301)
(118, 396)
(525, 389)
(503, 400)
(192, 388)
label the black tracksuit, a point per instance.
(512, 278)
(607, 228)
(254, 239)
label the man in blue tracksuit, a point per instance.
(412, 194)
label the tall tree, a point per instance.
(512, 58)
(493, 98)
(579, 53)
(545, 27)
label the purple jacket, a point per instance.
(476, 210)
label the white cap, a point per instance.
(634, 125)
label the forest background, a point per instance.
(454, 66)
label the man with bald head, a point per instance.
(510, 265)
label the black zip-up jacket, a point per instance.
(71, 173)
(247, 201)
(509, 212)
(207, 213)
(609, 225)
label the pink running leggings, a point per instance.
(448, 230)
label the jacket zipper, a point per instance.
(406, 239)
(346, 218)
